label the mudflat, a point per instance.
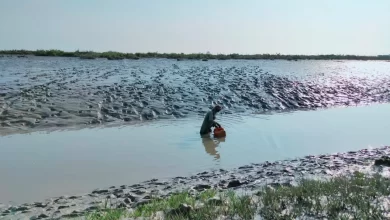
(40, 93)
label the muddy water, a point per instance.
(42, 93)
(45, 164)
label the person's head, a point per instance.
(217, 108)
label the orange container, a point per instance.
(219, 132)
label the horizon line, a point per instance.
(3, 51)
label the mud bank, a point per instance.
(48, 93)
(246, 178)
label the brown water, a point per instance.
(46, 164)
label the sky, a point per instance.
(311, 27)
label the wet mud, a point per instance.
(52, 93)
(245, 179)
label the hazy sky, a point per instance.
(218, 26)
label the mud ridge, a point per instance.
(64, 92)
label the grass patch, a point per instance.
(205, 205)
(107, 214)
(349, 197)
(357, 196)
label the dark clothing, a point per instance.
(208, 122)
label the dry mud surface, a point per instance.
(246, 179)
(50, 93)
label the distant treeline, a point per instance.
(111, 55)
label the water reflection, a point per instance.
(38, 166)
(211, 144)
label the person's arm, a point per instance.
(214, 123)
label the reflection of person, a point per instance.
(210, 145)
(209, 121)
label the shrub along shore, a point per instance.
(111, 55)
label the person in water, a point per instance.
(209, 120)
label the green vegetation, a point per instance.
(107, 214)
(357, 196)
(349, 197)
(111, 55)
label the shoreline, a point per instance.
(113, 55)
(248, 178)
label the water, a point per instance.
(46, 164)
(141, 118)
